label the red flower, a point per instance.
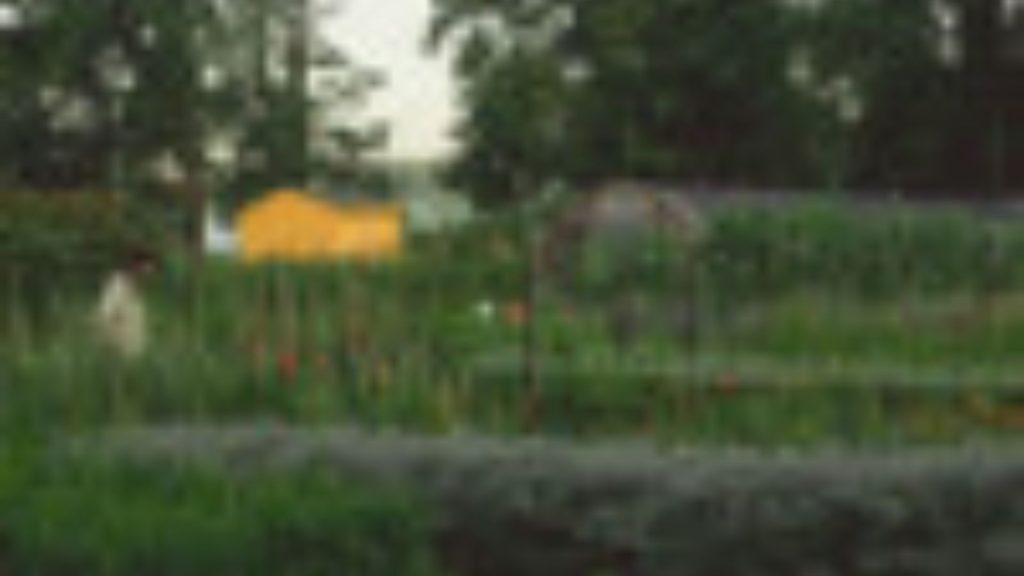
(728, 383)
(288, 365)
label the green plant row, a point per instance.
(344, 345)
(104, 520)
(543, 508)
(60, 244)
(694, 402)
(739, 515)
(870, 252)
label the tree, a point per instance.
(914, 95)
(663, 90)
(933, 83)
(891, 61)
(1013, 101)
(93, 89)
(291, 133)
(49, 135)
(977, 151)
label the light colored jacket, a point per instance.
(121, 317)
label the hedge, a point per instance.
(112, 521)
(542, 508)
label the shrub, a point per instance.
(865, 252)
(98, 520)
(541, 508)
(58, 243)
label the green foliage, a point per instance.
(878, 252)
(552, 511)
(859, 93)
(749, 253)
(807, 320)
(506, 508)
(583, 91)
(849, 300)
(108, 94)
(93, 519)
(66, 241)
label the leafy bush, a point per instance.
(864, 252)
(739, 515)
(101, 520)
(62, 242)
(542, 508)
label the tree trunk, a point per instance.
(298, 89)
(979, 162)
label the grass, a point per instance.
(92, 518)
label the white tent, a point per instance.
(219, 238)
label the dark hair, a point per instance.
(139, 260)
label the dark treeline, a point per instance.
(923, 96)
(133, 94)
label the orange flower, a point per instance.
(515, 313)
(727, 383)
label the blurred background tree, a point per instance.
(916, 95)
(167, 101)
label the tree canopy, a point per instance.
(912, 95)
(115, 92)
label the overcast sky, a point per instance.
(418, 97)
(6, 16)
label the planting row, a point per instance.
(104, 520)
(547, 508)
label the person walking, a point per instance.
(121, 322)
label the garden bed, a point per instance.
(544, 507)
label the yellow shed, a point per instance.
(294, 226)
